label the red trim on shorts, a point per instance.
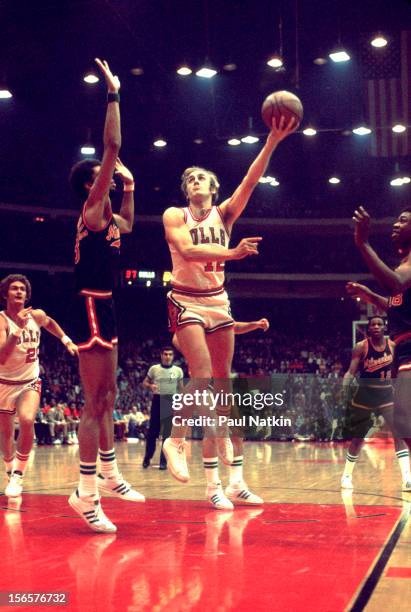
(402, 337)
(211, 330)
(222, 221)
(404, 367)
(96, 293)
(10, 412)
(179, 322)
(86, 346)
(202, 218)
(17, 382)
(190, 291)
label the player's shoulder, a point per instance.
(173, 214)
(38, 315)
(3, 320)
(361, 346)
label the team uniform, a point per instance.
(96, 256)
(399, 325)
(166, 378)
(374, 393)
(198, 294)
(21, 371)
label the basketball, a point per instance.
(281, 103)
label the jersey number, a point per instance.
(31, 355)
(214, 266)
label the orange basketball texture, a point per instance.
(281, 103)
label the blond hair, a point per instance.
(214, 184)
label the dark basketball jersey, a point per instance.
(376, 364)
(399, 313)
(96, 255)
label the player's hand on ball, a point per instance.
(281, 130)
(22, 317)
(246, 247)
(123, 172)
(112, 81)
(72, 349)
(264, 324)
(362, 226)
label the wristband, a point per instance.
(65, 340)
(129, 187)
(113, 97)
(17, 332)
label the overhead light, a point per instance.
(184, 70)
(400, 180)
(160, 142)
(234, 142)
(88, 150)
(339, 56)
(334, 180)
(230, 67)
(206, 72)
(275, 61)
(250, 139)
(264, 179)
(274, 183)
(39, 219)
(309, 131)
(379, 41)
(137, 71)
(406, 180)
(148, 283)
(198, 141)
(399, 128)
(320, 61)
(91, 78)
(361, 130)
(5, 93)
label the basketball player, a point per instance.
(372, 360)
(96, 253)
(199, 312)
(398, 284)
(163, 379)
(20, 385)
(237, 491)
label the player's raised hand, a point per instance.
(356, 290)
(123, 172)
(23, 316)
(263, 324)
(281, 130)
(362, 226)
(112, 81)
(246, 247)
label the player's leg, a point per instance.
(193, 345)
(357, 424)
(153, 431)
(7, 441)
(27, 405)
(221, 347)
(402, 403)
(401, 449)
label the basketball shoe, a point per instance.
(176, 459)
(346, 482)
(240, 495)
(90, 510)
(15, 485)
(216, 497)
(118, 487)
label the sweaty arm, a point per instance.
(179, 236)
(356, 290)
(357, 354)
(43, 320)
(242, 327)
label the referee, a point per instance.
(163, 379)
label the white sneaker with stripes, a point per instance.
(118, 487)
(90, 510)
(216, 497)
(240, 495)
(15, 485)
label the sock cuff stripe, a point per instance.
(210, 466)
(352, 458)
(402, 453)
(22, 457)
(109, 452)
(238, 458)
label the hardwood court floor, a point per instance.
(308, 548)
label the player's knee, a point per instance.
(106, 395)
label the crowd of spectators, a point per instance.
(307, 371)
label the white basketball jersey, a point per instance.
(23, 363)
(199, 275)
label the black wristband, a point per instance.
(113, 97)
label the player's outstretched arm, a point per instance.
(43, 320)
(395, 281)
(125, 219)
(356, 290)
(243, 327)
(232, 208)
(8, 341)
(112, 143)
(178, 235)
(357, 354)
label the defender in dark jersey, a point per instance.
(398, 285)
(94, 324)
(372, 359)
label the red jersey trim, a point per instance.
(96, 293)
(3, 381)
(222, 221)
(202, 218)
(402, 337)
